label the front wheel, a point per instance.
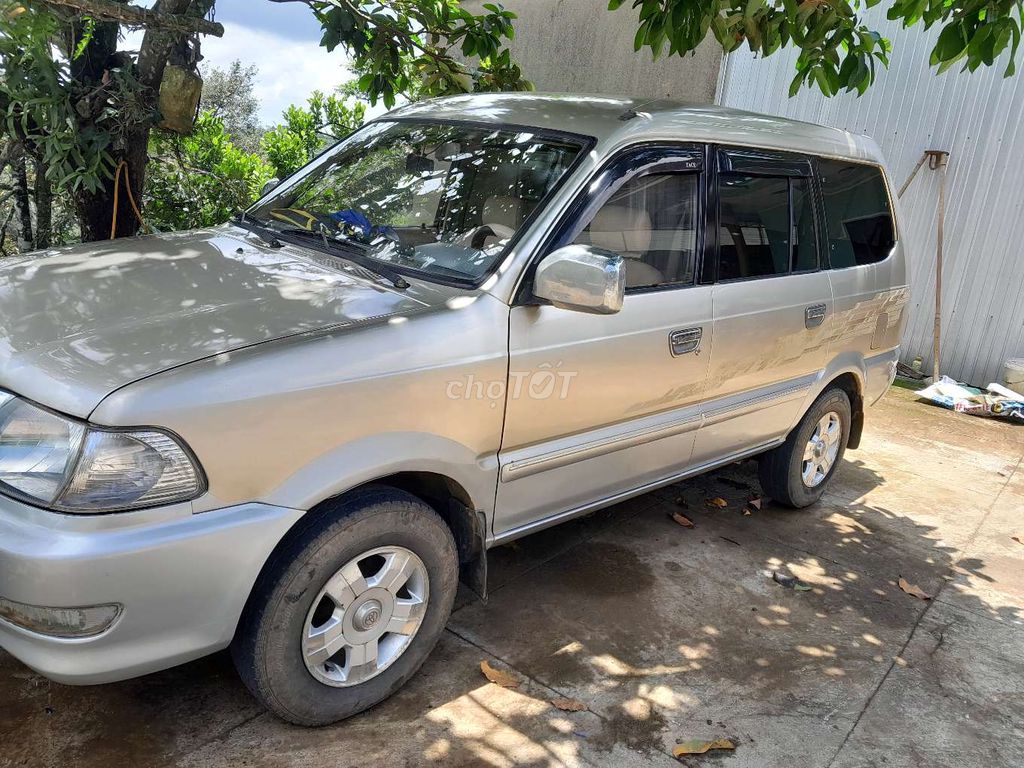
(349, 608)
(797, 472)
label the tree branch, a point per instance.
(143, 17)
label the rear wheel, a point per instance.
(798, 471)
(349, 608)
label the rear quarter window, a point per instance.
(858, 217)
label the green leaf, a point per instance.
(1011, 66)
(951, 43)
(822, 80)
(640, 38)
(795, 83)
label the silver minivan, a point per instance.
(473, 318)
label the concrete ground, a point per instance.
(668, 634)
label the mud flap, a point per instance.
(469, 528)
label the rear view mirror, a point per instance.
(449, 151)
(582, 278)
(418, 164)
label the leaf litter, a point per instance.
(498, 676)
(699, 747)
(683, 520)
(913, 589)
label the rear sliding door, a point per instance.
(772, 303)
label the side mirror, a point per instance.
(582, 278)
(269, 187)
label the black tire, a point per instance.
(267, 649)
(780, 469)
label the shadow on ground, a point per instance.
(668, 633)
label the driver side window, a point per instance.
(652, 222)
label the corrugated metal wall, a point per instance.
(978, 119)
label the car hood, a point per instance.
(78, 323)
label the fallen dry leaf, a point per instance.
(747, 513)
(755, 503)
(569, 705)
(718, 501)
(683, 520)
(498, 677)
(913, 589)
(698, 747)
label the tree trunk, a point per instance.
(26, 241)
(44, 208)
(96, 209)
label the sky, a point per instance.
(283, 41)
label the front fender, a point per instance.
(377, 456)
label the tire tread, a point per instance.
(318, 529)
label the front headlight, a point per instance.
(70, 466)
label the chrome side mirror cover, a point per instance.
(582, 278)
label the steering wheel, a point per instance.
(477, 236)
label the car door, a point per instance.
(598, 405)
(773, 306)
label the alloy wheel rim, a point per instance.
(821, 450)
(365, 616)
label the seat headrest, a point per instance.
(621, 229)
(503, 209)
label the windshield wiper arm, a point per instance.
(354, 252)
(265, 234)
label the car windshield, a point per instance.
(438, 198)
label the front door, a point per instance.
(601, 404)
(773, 304)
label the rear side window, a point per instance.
(858, 219)
(766, 226)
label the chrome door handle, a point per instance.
(814, 315)
(685, 341)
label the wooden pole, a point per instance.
(937, 161)
(913, 173)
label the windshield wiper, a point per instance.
(352, 250)
(265, 234)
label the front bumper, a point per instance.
(182, 580)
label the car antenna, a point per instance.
(632, 112)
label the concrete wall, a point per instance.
(580, 46)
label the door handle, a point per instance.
(684, 341)
(814, 315)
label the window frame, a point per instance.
(763, 163)
(825, 250)
(630, 163)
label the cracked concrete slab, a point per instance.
(955, 701)
(666, 633)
